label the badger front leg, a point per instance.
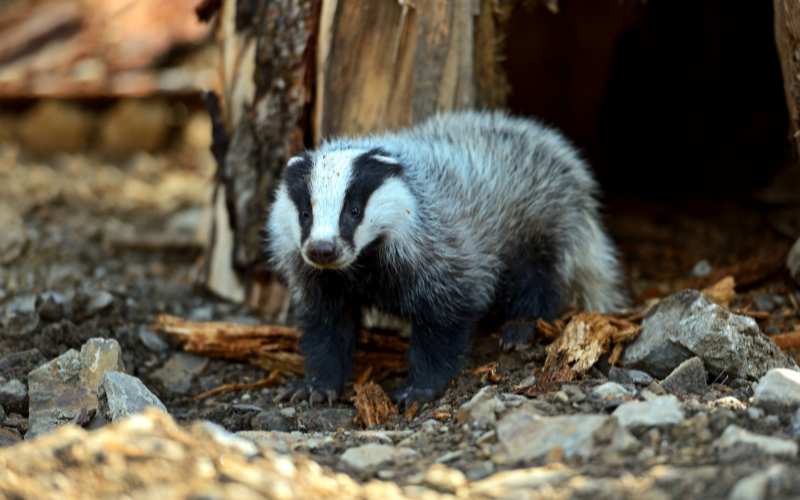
(436, 355)
(327, 342)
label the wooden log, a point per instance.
(787, 39)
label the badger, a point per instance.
(466, 216)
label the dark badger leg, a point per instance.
(530, 291)
(330, 325)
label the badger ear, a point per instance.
(382, 156)
(296, 160)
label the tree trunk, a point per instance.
(787, 38)
(296, 71)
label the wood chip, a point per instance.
(372, 404)
(411, 411)
(586, 338)
(722, 292)
(442, 415)
(488, 373)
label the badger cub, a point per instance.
(464, 216)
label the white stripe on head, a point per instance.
(390, 211)
(330, 177)
(284, 228)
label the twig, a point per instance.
(272, 380)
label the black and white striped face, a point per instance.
(332, 204)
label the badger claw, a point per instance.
(516, 336)
(409, 395)
(300, 391)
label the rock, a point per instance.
(122, 395)
(661, 410)
(612, 390)
(9, 437)
(14, 236)
(19, 364)
(282, 442)
(88, 303)
(152, 340)
(793, 261)
(270, 420)
(179, 371)
(626, 376)
(689, 377)
(521, 483)
(57, 395)
(479, 470)
(14, 396)
(736, 436)
(756, 485)
(228, 439)
(688, 324)
(481, 409)
(702, 269)
(97, 357)
(527, 436)
(444, 478)
(372, 455)
(19, 317)
(321, 419)
(778, 389)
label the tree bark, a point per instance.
(787, 39)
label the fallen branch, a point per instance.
(275, 348)
(272, 380)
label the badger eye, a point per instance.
(306, 214)
(355, 212)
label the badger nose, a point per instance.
(322, 252)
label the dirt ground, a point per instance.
(133, 228)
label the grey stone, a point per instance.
(14, 396)
(793, 261)
(778, 389)
(19, 364)
(324, 419)
(57, 396)
(661, 410)
(222, 436)
(521, 483)
(2, 413)
(481, 409)
(19, 317)
(702, 269)
(627, 376)
(152, 340)
(282, 442)
(755, 486)
(98, 356)
(179, 371)
(122, 395)
(795, 425)
(13, 237)
(736, 436)
(98, 301)
(612, 390)
(9, 437)
(689, 377)
(688, 324)
(372, 455)
(479, 470)
(270, 420)
(527, 436)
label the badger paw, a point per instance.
(409, 395)
(516, 335)
(303, 390)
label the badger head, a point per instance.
(330, 205)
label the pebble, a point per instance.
(444, 478)
(794, 428)
(14, 396)
(324, 419)
(270, 420)
(736, 436)
(177, 374)
(19, 317)
(19, 364)
(152, 340)
(661, 410)
(626, 376)
(755, 486)
(702, 269)
(778, 389)
(13, 237)
(689, 377)
(372, 455)
(688, 324)
(612, 390)
(793, 261)
(123, 395)
(481, 410)
(527, 436)
(222, 436)
(480, 470)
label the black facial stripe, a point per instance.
(296, 176)
(368, 175)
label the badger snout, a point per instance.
(322, 252)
